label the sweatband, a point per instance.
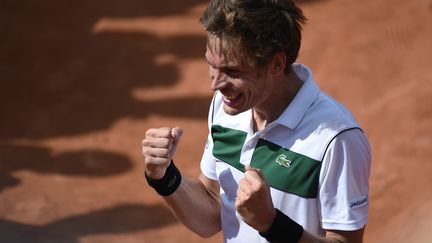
(169, 183)
(283, 229)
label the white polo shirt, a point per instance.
(315, 158)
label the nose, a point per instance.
(217, 79)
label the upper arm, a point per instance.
(344, 187)
(211, 187)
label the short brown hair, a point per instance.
(256, 29)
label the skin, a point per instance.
(267, 91)
(199, 195)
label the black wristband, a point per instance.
(283, 229)
(169, 183)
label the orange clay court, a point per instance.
(81, 81)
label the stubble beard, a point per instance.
(231, 111)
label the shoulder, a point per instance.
(329, 114)
(324, 120)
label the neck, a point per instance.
(283, 93)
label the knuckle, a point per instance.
(148, 160)
(165, 131)
(165, 142)
(165, 153)
(158, 132)
(145, 142)
(147, 152)
(149, 132)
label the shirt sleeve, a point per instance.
(344, 187)
(208, 163)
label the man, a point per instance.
(284, 162)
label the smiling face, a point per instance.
(242, 87)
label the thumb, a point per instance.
(176, 134)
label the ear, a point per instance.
(277, 64)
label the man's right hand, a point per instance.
(158, 148)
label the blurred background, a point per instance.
(81, 81)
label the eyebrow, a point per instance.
(230, 67)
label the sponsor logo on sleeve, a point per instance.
(359, 202)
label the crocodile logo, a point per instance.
(282, 160)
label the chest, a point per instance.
(284, 169)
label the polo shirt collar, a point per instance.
(307, 94)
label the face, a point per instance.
(242, 88)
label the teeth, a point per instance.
(231, 97)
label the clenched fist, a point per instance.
(253, 202)
(158, 148)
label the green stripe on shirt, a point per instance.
(286, 170)
(283, 169)
(227, 145)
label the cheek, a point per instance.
(253, 86)
(258, 90)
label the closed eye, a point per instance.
(232, 72)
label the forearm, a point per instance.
(284, 229)
(195, 202)
(197, 207)
(333, 237)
